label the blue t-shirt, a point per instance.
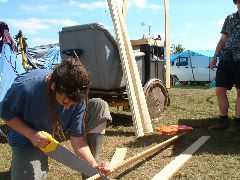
(27, 99)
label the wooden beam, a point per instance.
(116, 160)
(179, 161)
(118, 157)
(135, 92)
(167, 42)
(143, 155)
(126, 70)
(145, 116)
(125, 8)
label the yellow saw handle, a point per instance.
(53, 143)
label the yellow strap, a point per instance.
(53, 143)
(25, 64)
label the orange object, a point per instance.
(173, 129)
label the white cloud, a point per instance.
(60, 22)
(155, 6)
(3, 1)
(100, 4)
(40, 41)
(144, 4)
(139, 3)
(31, 25)
(93, 5)
(34, 25)
(33, 8)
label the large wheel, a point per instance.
(157, 97)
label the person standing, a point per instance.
(228, 70)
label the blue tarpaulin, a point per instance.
(45, 56)
(188, 53)
(10, 66)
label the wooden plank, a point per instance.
(167, 42)
(128, 72)
(125, 8)
(179, 161)
(141, 100)
(143, 155)
(118, 157)
(142, 105)
(116, 160)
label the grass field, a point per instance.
(195, 106)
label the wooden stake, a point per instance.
(126, 70)
(134, 88)
(142, 155)
(145, 117)
(179, 161)
(125, 8)
(167, 42)
(118, 157)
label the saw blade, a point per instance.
(66, 157)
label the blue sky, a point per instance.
(195, 24)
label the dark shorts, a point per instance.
(228, 74)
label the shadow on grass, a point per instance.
(5, 175)
(119, 133)
(199, 85)
(121, 120)
(221, 141)
(146, 141)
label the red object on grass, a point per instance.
(173, 129)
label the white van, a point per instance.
(192, 67)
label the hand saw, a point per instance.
(66, 157)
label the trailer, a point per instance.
(99, 54)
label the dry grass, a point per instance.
(217, 159)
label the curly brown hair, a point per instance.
(71, 78)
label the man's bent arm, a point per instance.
(220, 45)
(36, 138)
(18, 125)
(81, 148)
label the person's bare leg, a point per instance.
(235, 125)
(238, 103)
(223, 103)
